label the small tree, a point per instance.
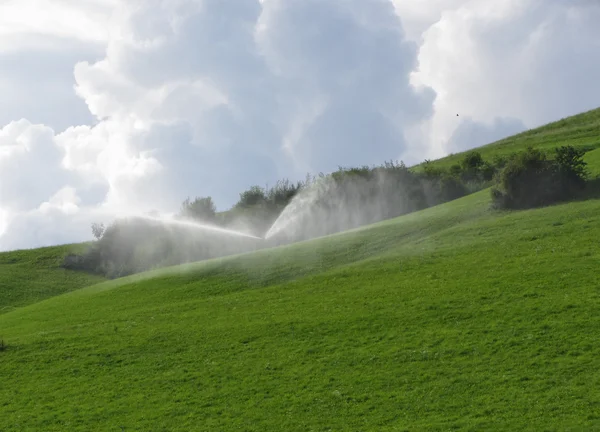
(571, 164)
(487, 171)
(282, 193)
(202, 209)
(253, 196)
(450, 188)
(98, 230)
(472, 161)
(472, 165)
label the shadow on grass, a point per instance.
(591, 191)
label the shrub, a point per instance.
(500, 161)
(571, 164)
(456, 170)
(283, 192)
(451, 188)
(253, 196)
(472, 161)
(530, 179)
(430, 171)
(97, 230)
(487, 171)
(201, 209)
(473, 169)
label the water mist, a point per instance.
(196, 225)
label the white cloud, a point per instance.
(418, 15)
(4, 221)
(135, 105)
(529, 60)
(47, 227)
(345, 70)
(79, 19)
(29, 165)
(65, 201)
(40, 41)
(470, 133)
(226, 104)
(36, 83)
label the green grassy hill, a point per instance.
(29, 276)
(581, 131)
(453, 318)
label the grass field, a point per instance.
(453, 318)
(28, 276)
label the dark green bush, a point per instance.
(201, 209)
(531, 179)
(282, 193)
(487, 171)
(474, 169)
(500, 161)
(456, 170)
(571, 165)
(253, 196)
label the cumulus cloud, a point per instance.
(47, 226)
(207, 98)
(210, 97)
(4, 221)
(470, 133)
(346, 69)
(133, 106)
(29, 165)
(21, 22)
(65, 201)
(418, 15)
(40, 41)
(36, 83)
(530, 60)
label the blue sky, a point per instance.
(112, 107)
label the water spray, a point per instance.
(196, 225)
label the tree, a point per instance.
(472, 161)
(472, 165)
(253, 196)
(201, 209)
(98, 230)
(571, 164)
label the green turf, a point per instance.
(453, 318)
(581, 130)
(28, 276)
(592, 159)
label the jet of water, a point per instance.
(196, 225)
(300, 206)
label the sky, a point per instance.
(112, 107)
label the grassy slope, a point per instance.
(28, 276)
(454, 317)
(592, 158)
(451, 318)
(582, 130)
(33, 275)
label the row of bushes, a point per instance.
(532, 179)
(342, 200)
